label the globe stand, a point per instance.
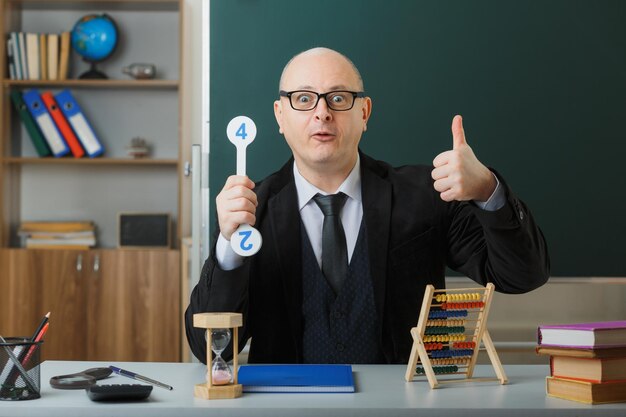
(93, 73)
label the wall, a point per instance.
(513, 319)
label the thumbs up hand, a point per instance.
(458, 174)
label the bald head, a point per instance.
(314, 56)
(324, 141)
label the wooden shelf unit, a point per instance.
(110, 303)
(14, 160)
(88, 161)
(148, 84)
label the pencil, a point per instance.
(40, 327)
(32, 349)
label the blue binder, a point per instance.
(74, 115)
(48, 128)
(296, 378)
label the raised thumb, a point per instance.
(458, 134)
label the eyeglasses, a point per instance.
(304, 100)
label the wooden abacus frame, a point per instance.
(419, 350)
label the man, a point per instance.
(348, 291)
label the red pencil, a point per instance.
(31, 350)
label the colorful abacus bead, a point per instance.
(440, 314)
(464, 306)
(444, 330)
(450, 361)
(464, 345)
(445, 338)
(445, 369)
(433, 346)
(438, 370)
(451, 353)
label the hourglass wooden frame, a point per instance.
(210, 321)
(439, 344)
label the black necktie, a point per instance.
(334, 249)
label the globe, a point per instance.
(94, 37)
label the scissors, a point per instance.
(80, 380)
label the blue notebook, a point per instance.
(296, 378)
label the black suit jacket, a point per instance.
(412, 236)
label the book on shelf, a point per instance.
(55, 235)
(64, 56)
(30, 124)
(10, 60)
(586, 392)
(58, 247)
(21, 41)
(296, 378)
(32, 55)
(33, 242)
(15, 51)
(60, 235)
(53, 56)
(54, 226)
(43, 56)
(584, 335)
(38, 56)
(589, 369)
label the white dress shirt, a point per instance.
(351, 215)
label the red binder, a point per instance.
(62, 124)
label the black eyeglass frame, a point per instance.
(355, 95)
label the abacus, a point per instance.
(443, 341)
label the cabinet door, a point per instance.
(134, 305)
(63, 290)
(37, 281)
(20, 310)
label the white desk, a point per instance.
(381, 391)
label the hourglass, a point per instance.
(220, 372)
(221, 382)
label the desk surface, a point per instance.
(381, 391)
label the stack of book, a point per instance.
(38, 56)
(587, 361)
(56, 124)
(57, 235)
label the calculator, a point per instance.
(118, 392)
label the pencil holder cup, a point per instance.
(19, 369)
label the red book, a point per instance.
(62, 124)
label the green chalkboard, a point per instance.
(541, 86)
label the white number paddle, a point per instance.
(241, 131)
